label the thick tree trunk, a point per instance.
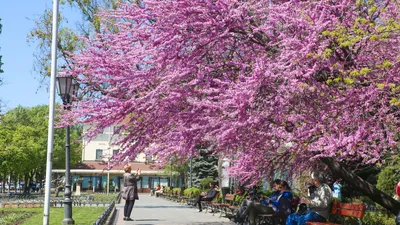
(220, 175)
(4, 181)
(364, 187)
(26, 188)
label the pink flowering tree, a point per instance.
(270, 84)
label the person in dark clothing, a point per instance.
(209, 196)
(276, 184)
(272, 206)
(130, 190)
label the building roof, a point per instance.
(101, 165)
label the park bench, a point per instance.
(286, 206)
(344, 210)
(175, 195)
(208, 204)
(185, 199)
(169, 194)
(226, 208)
(179, 194)
(161, 194)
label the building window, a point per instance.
(99, 153)
(145, 182)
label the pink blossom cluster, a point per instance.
(268, 84)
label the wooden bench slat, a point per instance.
(347, 209)
(344, 209)
(230, 197)
(321, 223)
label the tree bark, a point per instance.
(220, 175)
(4, 181)
(26, 188)
(364, 187)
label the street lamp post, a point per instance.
(170, 177)
(66, 89)
(191, 180)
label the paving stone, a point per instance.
(150, 210)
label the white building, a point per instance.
(93, 169)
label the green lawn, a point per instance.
(81, 215)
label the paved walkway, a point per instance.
(149, 210)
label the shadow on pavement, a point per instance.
(159, 206)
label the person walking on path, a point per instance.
(130, 190)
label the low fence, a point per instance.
(108, 213)
(38, 201)
(19, 196)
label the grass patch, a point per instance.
(105, 197)
(97, 196)
(11, 218)
(81, 215)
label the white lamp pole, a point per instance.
(50, 135)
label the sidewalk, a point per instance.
(149, 210)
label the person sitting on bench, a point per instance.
(271, 206)
(153, 191)
(209, 196)
(319, 203)
(276, 184)
(160, 191)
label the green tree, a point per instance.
(1, 71)
(389, 176)
(23, 143)
(68, 37)
(204, 167)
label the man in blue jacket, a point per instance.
(271, 206)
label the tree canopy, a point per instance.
(68, 34)
(243, 74)
(1, 71)
(271, 84)
(23, 137)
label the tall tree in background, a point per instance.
(271, 83)
(68, 35)
(1, 71)
(23, 133)
(203, 167)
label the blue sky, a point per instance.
(21, 84)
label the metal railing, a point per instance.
(101, 220)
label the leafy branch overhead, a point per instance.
(69, 35)
(1, 71)
(267, 84)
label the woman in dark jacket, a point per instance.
(130, 190)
